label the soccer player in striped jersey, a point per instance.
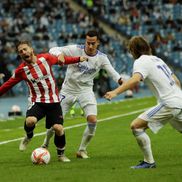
(78, 84)
(43, 98)
(165, 87)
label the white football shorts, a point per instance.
(86, 100)
(159, 115)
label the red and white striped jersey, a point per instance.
(39, 78)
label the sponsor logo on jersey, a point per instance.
(37, 80)
(85, 69)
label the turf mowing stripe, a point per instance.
(77, 125)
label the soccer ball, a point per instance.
(40, 156)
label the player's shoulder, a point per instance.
(100, 53)
(147, 61)
(80, 46)
(73, 47)
(45, 55)
(143, 59)
(20, 68)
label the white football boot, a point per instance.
(23, 144)
(63, 158)
(82, 154)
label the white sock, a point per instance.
(144, 143)
(49, 134)
(87, 135)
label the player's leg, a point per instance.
(60, 142)
(29, 126)
(176, 121)
(48, 136)
(138, 127)
(54, 118)
(34, 114)
(154, 118)
(88, 103)
(88, 134)
(66, 104)
(89, 131)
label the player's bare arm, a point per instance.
(134, 80)
(120, 81)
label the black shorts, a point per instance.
(52, 112)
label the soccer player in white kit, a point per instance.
(78, 84)
(166, 88)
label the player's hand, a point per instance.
(1, 75)
(110, 95)
(61, 58)
(120, 81)
(83, 58)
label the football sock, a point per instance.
(87, 135)
(29, 130)
(60, 141)
(60, 151)
(144, 143)
(49, 134)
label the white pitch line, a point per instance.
(78, 125)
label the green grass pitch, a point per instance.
(112, 151)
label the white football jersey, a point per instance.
(158, 76)
(79, 76)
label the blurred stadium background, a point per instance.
(48, 23)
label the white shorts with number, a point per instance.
(87, 102)
(159, 115)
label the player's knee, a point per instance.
(138, 123)
(31, 121)
(92, 119)
(138, 132)
(58, 128)
(133, 126)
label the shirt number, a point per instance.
(166, 71)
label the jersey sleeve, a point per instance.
(110, 70)
(16, 78)
(71, 60)
(51, 59)
(66, 50)
(141, 68)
